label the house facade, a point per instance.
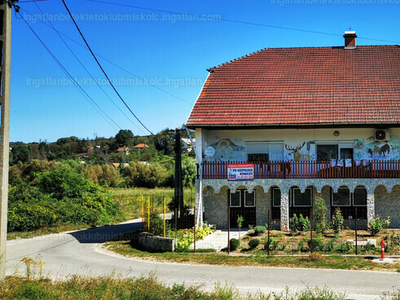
(280, 127)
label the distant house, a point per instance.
(91, 149)
(123, 149)
(280, 127)
(141, 146)
(187, 144)
(116, 165)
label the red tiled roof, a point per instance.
(303, 86)
(141, 146)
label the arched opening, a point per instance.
(300, 202)
(352, 204)
(242, 202)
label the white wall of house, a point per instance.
(234, 145)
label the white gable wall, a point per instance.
(233, 145)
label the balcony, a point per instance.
(308, 170)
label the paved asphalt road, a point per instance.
(80, 252)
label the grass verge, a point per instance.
(140, 288)
(211, 258)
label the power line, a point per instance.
(239, 22)
(86, 95)
(83, 66)
(110, 62)
(104, 72)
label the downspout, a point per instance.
(199, 217)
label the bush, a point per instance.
(294, 224)
(396, 240)
(299, 223)
(337, 221)
(315, 244)
(320, 215)
(156, 225)
(304, 223)
(343, 247)
(377, 224)
(259, 230)
(369, 247)
(234, 244)
(254, 243)
(58, 196)
(273, 244)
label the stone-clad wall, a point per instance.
(263, 203)
(215, 196)
(216, 207)
(388, 204)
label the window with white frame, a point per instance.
(235, 199)
(276, 197)
(360, 196)
(329, 150)
(249, 199)
(300, 199)
(264, 151)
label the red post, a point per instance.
(383, 249)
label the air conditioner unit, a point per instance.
(381, 135)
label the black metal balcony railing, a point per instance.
(307, 169)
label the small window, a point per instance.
(302, 199)
(235, 199)
(341, 198)
(276, 197)
(346, 153)
(258, 157)
(327, 152)
(360, 197)
(249, 199)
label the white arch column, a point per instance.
(370, 205)
(284, 209)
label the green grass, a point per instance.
(222, 258)
(140, 288)
(133, 200)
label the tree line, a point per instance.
(100, 161)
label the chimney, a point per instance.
(350, 39)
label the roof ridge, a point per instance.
(268, 48)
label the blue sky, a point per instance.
(156, 58)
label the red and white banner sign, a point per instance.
(240, 172)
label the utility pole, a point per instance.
(178, 173)
(5, 73)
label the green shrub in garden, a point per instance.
(156, 224)
(259, 230)
(254, 243)
(234, 244)
(299, 223)
(186, 236)
(316, 243)
(304, 223)
(320, 215)
(337, 221)
(273, 244)
(294, 224)
(377, 224)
